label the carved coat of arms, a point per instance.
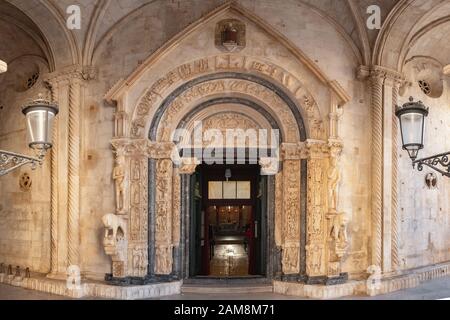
(230, 35)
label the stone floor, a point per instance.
(432, 290)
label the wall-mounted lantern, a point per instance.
(412, 126)
(40, 115)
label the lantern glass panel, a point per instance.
(412, 129)
(40, 125)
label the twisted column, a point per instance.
(394, 197)
(74, 174)
(377, 168)
(54, 192)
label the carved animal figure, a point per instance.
(113, 222)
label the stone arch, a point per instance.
(408, 21)
(288, 91)
(60, 51)
(246, 89)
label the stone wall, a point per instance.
(25, 215)
(24, 212)
(424, 236)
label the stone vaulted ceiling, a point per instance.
(410, 27)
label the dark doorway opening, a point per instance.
(228, 222)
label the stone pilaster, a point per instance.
(377, 165)
(316, 251)
(385, 84)
(73, 225)
(394, 214)
(66, 86)
(54, 189)
(289, 219)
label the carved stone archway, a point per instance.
(311, 243)
(149, 109)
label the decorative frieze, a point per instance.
(220, 63)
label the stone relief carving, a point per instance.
(269, 165)
(163, 259)
(287, 213)
(256, 91)
(164, 217)
(315, 248)
(159, 89)
(188, 165)
(291, 260)
(176, 208)
(230, 35)
(139, 261)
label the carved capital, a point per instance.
(269, 166)
(131, 147)
(317, 149)
(188, 165)
(290, 151)
(363, 72)
(335, 146)
(162, 150)
(380, 74)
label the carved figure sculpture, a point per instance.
(339, 227)
(119, 178)
(333, 181)
(113, 222)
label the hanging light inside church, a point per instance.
(412, 123)
(40, 115)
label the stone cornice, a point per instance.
(337, 89)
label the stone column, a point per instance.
(66, 87)
(54, 189)
(395, 143)
(73, 227)
(385, 84)
(377, 165)
(180, 227)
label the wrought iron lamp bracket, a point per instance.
(10, 161)
(433, 162)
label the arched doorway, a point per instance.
(262, 94)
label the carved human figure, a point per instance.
(339, 228)
(119, 178)
(137, 259)
(290, 260)
(333, 183)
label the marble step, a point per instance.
(226, 289)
